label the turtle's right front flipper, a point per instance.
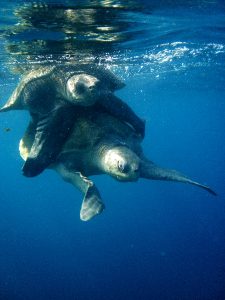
(92, 204)
(51, 132)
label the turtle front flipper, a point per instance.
(92, 204)
(120, 110)
(149, 170)
(51, 132)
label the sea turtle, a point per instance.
(101, 144)
(52, 94)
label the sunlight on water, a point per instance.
(126, 36)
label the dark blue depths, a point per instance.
(155, 240)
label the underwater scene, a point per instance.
(112, 150)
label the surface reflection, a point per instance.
(83, 32)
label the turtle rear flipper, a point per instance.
(52, 131)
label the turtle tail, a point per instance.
(151, 171)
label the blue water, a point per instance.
(155, 240)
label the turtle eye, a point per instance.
(123, 167)
(80, 88)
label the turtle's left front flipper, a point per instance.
(51, 132)
(151, 171)
(119, 109)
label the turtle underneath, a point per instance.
(101, 144)
(52, 95)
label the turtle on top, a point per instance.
(52, 95)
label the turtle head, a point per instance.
(122, 164)
(82, 89)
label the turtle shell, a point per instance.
(60, 75)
